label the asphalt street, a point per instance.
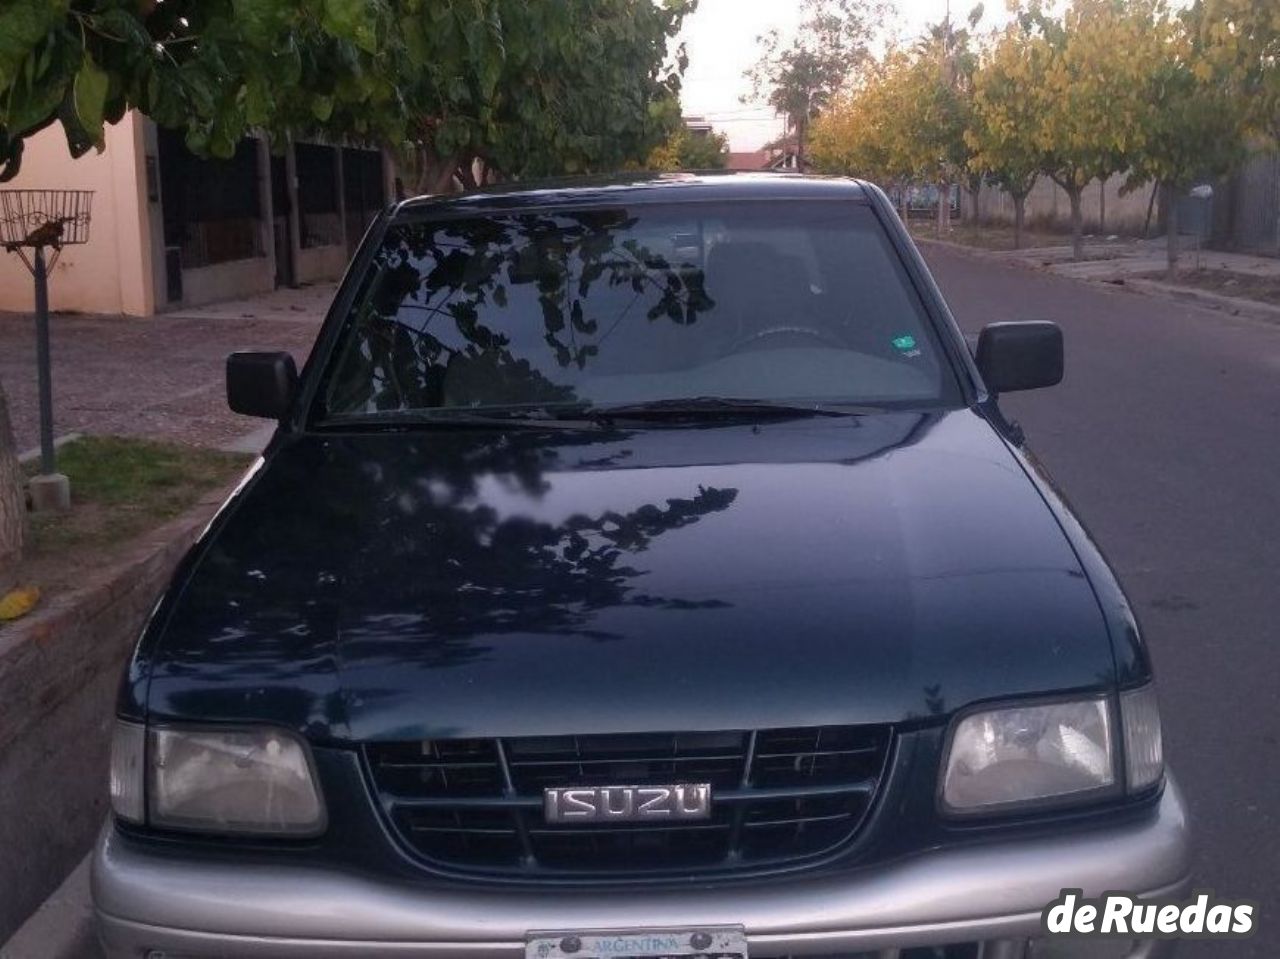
(1165, 437)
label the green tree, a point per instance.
(540, 89)
(948, 96)
(800, 77)
(507, 85)
(686, 150)
(215, 68)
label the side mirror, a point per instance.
(1020, 356)
(261, 384)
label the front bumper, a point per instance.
(980, 893)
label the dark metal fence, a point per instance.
(1246, 207)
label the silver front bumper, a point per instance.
(989, 891)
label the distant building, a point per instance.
(753, 160)
(774, 156)
(698, 126)
(170, 229)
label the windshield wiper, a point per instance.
(463, 419)
(722, 406)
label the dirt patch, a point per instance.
(120, 489)
(1248, 286)
(999, 237)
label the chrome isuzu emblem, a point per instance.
(627, 803)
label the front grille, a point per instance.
(778, 795)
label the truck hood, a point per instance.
(881, 568)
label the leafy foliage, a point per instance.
(1006, 109)
(529, 88)
(686, 150)
(1242, 38)
(800, 78)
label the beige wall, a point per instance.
(112, 273)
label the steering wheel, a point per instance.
(809, 332)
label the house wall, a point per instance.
(320, 263)
(112, 273)
(232, 280)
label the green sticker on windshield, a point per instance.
(905, 342)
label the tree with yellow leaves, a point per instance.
(1005, 114)
(904, 123)
(1243, 38)
(1195, 119)
(1091, 93)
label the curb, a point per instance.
(1188, 296)
(33, 454)
(1236, 306)
(62, 928)
(59, 676)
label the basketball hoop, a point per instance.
(32, 221)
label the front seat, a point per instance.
(755, 287)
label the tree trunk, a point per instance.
(13, 504)
(1077, 222)
(802, 129)
(944, 209)
(1171, 231)
(434, 174)
(902, 201)
(1019, 217)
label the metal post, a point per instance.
(47, 465)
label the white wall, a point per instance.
(1048, 206)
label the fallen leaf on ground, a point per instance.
(18, 603)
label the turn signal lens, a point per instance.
(1143, 743)
(128, 747)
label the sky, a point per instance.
(721, 42)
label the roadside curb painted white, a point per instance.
(31, 455)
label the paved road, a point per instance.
(1165, 435)
(160, 377)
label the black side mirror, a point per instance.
(261, 384)
(1020, 356)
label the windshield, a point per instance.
(774, 302)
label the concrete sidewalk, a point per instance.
(305, 304)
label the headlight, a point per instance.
(235, 781)
(1036, 754)
(1143, 744)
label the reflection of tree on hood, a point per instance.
(451, 271)
(484, 575)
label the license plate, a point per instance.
(715, 943)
